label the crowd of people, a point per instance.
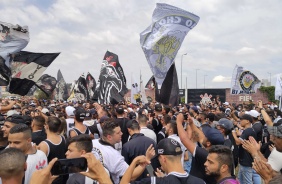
(214, 143)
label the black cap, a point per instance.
(169, 146)
(103, 119)
(158, 107)
(119, 110)
(247, 117)
(15, 118)
(80, 114)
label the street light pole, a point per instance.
(205, 81)
(181, 68)
(197, 77)
(270, 77)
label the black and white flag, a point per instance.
(244, 81)
(61, 89)
(91, 85)
(163, 38)
(27, 68)
(13, 38)
(169, 92)
(5, 73)
(79, 90)
(47, 84)
(111, 86)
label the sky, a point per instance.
(246, 32)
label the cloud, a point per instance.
(221, 78)
(244, 32)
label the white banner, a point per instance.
(243, 81)
(163, 38)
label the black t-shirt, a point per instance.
(156, 123)
(173, 178)
(122, 123)
(245, 158)
(257, 126)
(198, 168)
(38, 136)
(161, 135)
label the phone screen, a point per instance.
(66, 166)
(150, 170)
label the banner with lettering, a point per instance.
(163, 38)
(243, 81)
(27, 68)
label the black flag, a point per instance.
(91, 85)
(32, 90)
(151, 83)
(27, 68)
(80, 89)
(111, 86)
(5, 73)
(170, 90)
(47, 84)
(61, 90)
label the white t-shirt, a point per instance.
(275, 160)
(110, 158)
(70, 125)
(148, 133)
(35, 162)
(183, 148)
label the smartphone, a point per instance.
(66, 166)
(150, 170)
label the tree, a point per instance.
(40, 95)
(270, 92)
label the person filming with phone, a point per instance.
(78, 146)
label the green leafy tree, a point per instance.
(40, 95)
(270, 92)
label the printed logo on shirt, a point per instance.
(97, 153)
(40, 165)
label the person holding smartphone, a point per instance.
(78, 146)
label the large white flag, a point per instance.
(135, 92)
(163, 38)
(243, 81)
(278, 87)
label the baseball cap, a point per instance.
(103, 119)
(92, 111)
(12, 112)
(253, 113)
(275, 130)
(119, 110)
(69, 110)
(194, 108)
(214, 136)
(225, 123)
(158, 107)
(226, 103)
(15, 118)
(168, 146)
(44, 110)
(247, 117)
(80, 114)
